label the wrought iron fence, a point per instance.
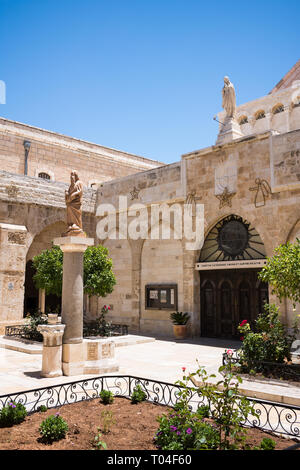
(284, 370)
(110, 329)
(25, 332)
(269, 416)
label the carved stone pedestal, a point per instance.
(99, 356)
(52, 349)
(229, 131)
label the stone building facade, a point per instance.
(241, 196)
(32, 203)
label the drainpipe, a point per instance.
(26, 144)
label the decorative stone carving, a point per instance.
(134, 193)
(16, 238)
(225, 198)
(12, 191)
(263, 190)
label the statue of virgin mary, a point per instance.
(229, 100)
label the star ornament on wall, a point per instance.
(134, 193)
(225, 198)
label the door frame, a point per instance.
(235, 278)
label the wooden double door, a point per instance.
(227, 297)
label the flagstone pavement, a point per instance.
(157, 358)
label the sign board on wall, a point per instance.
(239, 264)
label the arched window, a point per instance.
(243, 120)
(44, 175)
(232, 238)
(296, 102)
(278, 108)
(260, 114)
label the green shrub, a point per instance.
(267, 444)
(183, 430)
(106, 396)
(30, 331)
(42, 408)
(138, 395)
(268, 341)
(228, 409)
(13, 413)
(98, 442)
(53, 428)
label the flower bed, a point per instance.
(128, 427)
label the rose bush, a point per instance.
(268, 341)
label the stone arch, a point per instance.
(44, 239)
(40, 219)
(32, 297)
(243, 119)
(260, 114)
(278, 108)
(294, 232)
(161, 263)
(121, 299)
(256, 245)
(290, 310)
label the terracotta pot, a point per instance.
(180, 331)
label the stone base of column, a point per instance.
(92, 356)
(72, 359)
(51, 362)
(52, 349)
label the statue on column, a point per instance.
(229, 129)
(73, 197)
(229, 100)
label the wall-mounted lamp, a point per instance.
(215, 119)
(26, 144)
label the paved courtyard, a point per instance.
(160, 359)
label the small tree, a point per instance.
(282, 272)
(49, 271)
(98, 278)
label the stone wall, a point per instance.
(245, 168)
(57, 155)
(32, 213)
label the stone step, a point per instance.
(33, 347)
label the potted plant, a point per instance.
(180, 320)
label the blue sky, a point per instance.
(140, 76)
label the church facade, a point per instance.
(240, 196)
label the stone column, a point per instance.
(72, 301)
(42, 300)
(52, 349)
(13, 251)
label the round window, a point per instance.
(233, 238)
